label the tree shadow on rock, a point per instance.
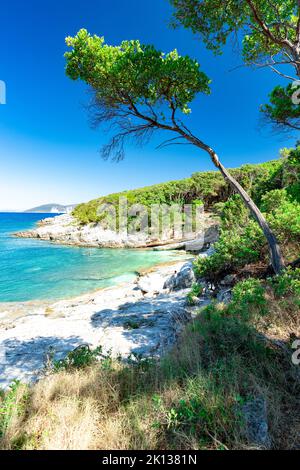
(23, 360)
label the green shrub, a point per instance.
(234, 213)
(132, 325)
(287, 283)
(285, 221)
(235, 248)
(283, 214)
(226, 334)
(248, 296)
(196, 291)
(291, 172)
(80, 357)
(12, 403)
(273, 199)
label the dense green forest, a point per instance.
(209, 187)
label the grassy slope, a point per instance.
(191, 400)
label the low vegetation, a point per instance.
(192, 399)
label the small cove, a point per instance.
(38, 270)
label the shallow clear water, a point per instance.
(38, 270)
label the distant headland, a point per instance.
(53, 208)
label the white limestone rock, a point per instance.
(29, 331)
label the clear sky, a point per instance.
(48, 151)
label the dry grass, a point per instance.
(187, 401)
(283, 320)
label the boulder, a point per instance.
(181, 279)
(152, 283)
(224, 296)
(228, 280)
(254, 413)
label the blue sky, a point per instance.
(48, 151)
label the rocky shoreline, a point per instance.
(142, 317)
(65, 230)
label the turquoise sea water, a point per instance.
(38, 270)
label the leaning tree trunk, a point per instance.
(274, 248)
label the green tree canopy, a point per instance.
(270, 35)
(270, 28)
(133, 72)
(284, 107)
(132, 81)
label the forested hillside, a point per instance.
(209, 187)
